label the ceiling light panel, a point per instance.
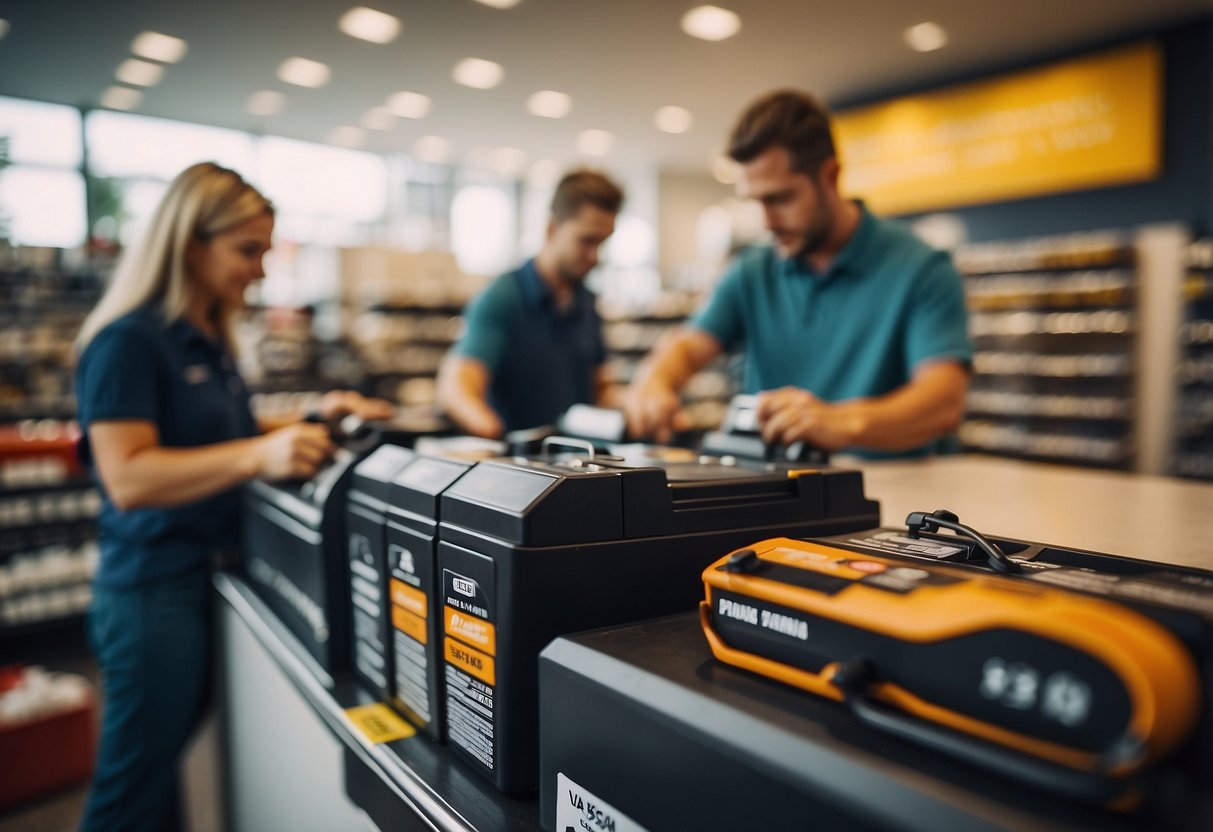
(478, 73)
(499, 4)
(594, 142)
(156, 46)
(926, 37)
(549, 104)
(378, 118)
(266, 103)
(724, 170)
(433, 149)
(369, 25)
(139, 73)
(408, 104)
(120, 98)
(711, 23)
(673, 119)
(304, 73)
(4, 27)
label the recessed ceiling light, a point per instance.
(378, 118)
(711, 23)
(3, 27)
(346, 136)
(304, 73)
(544, 173)
(121, 98)
(500, 4)
(549, 104)
(594, 142)
(370, 25)
(266, 103)
(408, 104)
(139, 73)
(673, 119)
(508, 161)
(724, 170)
(926, 37)
(159, 47)
(433, 149)
(478, 73)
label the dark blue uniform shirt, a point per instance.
(541, 358)
(172, 375)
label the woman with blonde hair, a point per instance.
(169, 435)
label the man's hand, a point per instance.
(339, 403)
(652, 410)
(791, 414)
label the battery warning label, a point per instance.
(469, 706)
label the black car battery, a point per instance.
(294, 543)
(414, 649)
(1076, 694)
(533, 548)
(366, 548)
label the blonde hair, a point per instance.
(204, 200)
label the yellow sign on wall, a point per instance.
(1084, 123)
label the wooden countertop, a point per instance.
(1149, 517)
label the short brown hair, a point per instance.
(585, 187)
(789, 119)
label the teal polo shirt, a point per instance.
(887, 304)
(186, 384)
(541, 358)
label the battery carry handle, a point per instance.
(852, 677)
(920, 521)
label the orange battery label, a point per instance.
(411, 599)
(470, 661)
(475, 631)
(409, 624)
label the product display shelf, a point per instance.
(630, 334)
(1193, 449)
(1054, 325)
(42, 304)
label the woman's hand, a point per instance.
(339, 403)
(293, 452)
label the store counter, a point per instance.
(294, 758)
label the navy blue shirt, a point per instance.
(172, 375)
(541, 358)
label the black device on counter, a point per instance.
(530, 548)
(294, 541)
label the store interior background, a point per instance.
(393, 209)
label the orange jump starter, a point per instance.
(1055, 688)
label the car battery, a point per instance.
(366, 548)
(414, 647)
(1072, 693)
(295, 549)
(533, 548)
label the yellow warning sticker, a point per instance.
(475, 631)
(379, 723)
(409, 624)
(411, 599)
(470, 661)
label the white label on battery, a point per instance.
(579, 810)
(469, 715)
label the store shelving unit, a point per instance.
(1054, 321)
(1193, 449)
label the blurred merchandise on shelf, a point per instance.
(45, 294)
(1054, 323)
(1193, 450)
(47, 725)
(48, 513)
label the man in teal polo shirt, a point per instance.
(532, 346)
(854, 331)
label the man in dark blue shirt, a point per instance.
(533, 339)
